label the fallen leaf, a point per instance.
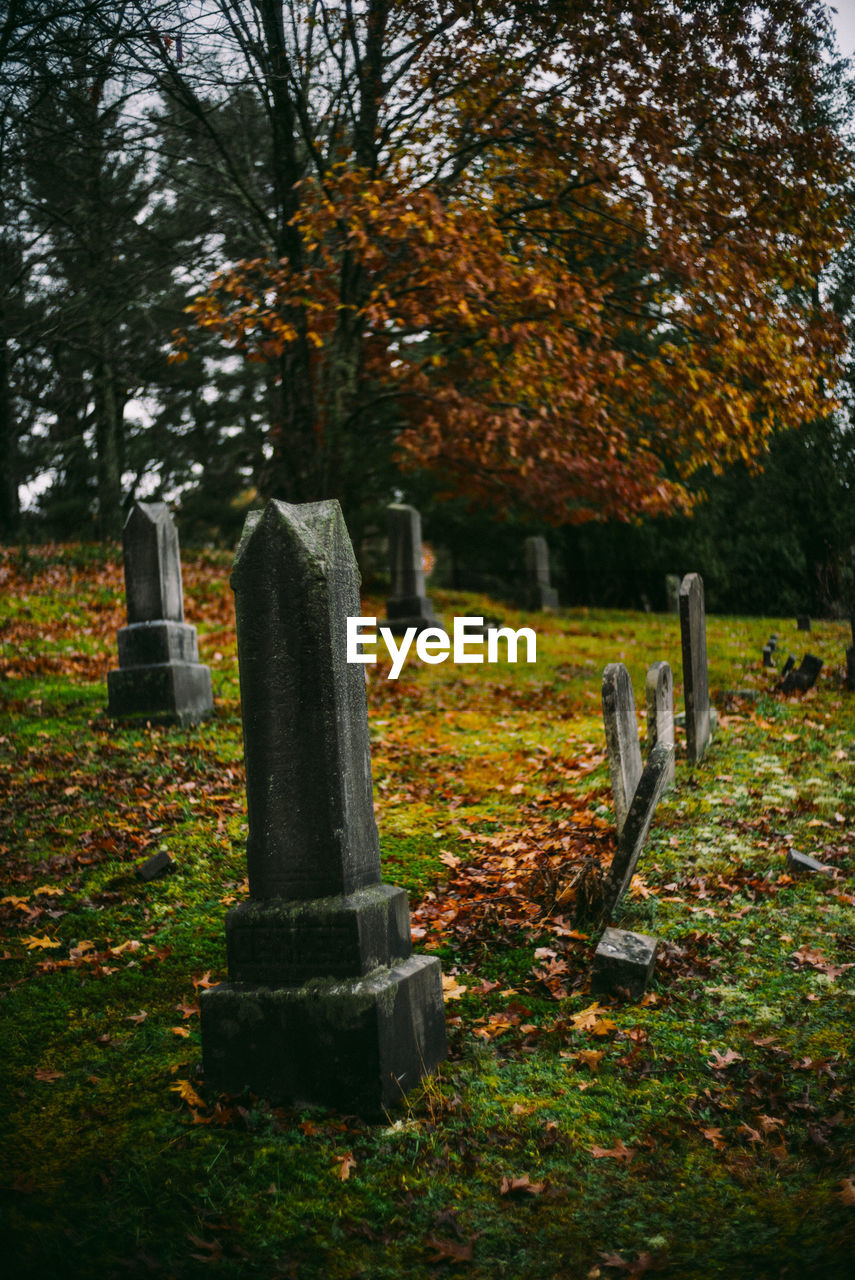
(617, 1152)
(846, 1194)
(520, 1186)
(45, 1073)
(721, 1060)
(180, 1031)
(450, 1250)
(137, 1017)
(451, 988)
(345, 1164)
(715, 1137)
(41, 944)
(187, 1093)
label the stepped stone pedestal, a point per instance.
(160, 678)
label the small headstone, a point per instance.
(325, 1002)
(539, 593)
(804, 677)
(160, 678)
(804, 863)
(787, 667)
(672, 592)
(659, 691)
(622, 745)
(803, 622)
(767, 656)
(623, 962)
(693, 634)
(157, 865)
(407, 606)
(633, 836)
(773, 642)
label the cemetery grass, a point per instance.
(705, 1131)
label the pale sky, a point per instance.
(844, 22)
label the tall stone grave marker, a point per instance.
(325, 1002)
(659, 690)
(160, 677)
(672, 592)
(693, 632)
(622, 745)
(407, 606)
(539, 592)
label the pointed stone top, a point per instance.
(152, 564)
(314, 534)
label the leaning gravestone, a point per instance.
(633, 834)
(160, 678)
(539, 593)
(325, 1002)
(693, 633)
(622, 745)
(803, 677)
(407, 606)
(659, 690)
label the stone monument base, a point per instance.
(410, 611)
(358, 1045)
(162, 693)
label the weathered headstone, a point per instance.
(672, 592)
(633, 835)
(623, 963)
(803, 863)
(787, 667)
(539, 593)
(693, 633)
(803, 622)
(804, 677)
(160, 677)
(622, 745)
(407, 606)
(157, 865)
(659, 690)
(325, 1002)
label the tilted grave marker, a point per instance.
(804, 677)
(325, 1003)
(622, 745)
(693, 634)
(160, 677)
(540, 594)
(659, 691)
(407, 606)
(633, 836)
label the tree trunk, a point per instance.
(10, 509)
(108, 443)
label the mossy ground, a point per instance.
(705, 1132)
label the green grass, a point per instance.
(731, 1086)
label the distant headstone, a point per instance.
(325, 1002)
(803, 622)
(803, 863)
(539, 593)
(767, 656)
(623, 963)
(672, 592)
(160, 677)
(157, 865)
(693, 634)
(633, 835)
(622, 745)
(773, 641)
(407, 606)
(804, 677)
(787, 667)
(659, 691)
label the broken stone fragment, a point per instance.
(623, 963)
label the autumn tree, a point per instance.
(564, 255)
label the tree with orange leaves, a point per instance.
(562, 254)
